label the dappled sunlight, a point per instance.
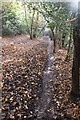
(52, 58)
(47, 72)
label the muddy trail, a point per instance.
(44, 108)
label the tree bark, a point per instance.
(68, 50)
(56, 33)
(60, 40)
(35, 30)
(63, 39)
(75, 68)
(76, 59)
(79, 41)
(53, 38)
(31, 33)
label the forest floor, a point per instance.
(13, 47)
(36, 83)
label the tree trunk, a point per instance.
(68, 50)
(63, 39)
(76, 59)
(35, 30)
(75, 68)
(79, 30)
(56, 33)
(53, 38)
(60, 40)
(79, 41)
(31, 33)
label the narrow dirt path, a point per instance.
(44, 109)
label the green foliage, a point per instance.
(34, 20)
(11, 24)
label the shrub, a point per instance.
(11, 25)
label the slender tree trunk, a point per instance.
(60, 40)
(68, 50)
(53, 38)
(56, 34)
(31, 33)
(63, 39)
(35, 30)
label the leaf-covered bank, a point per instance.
(22, 83)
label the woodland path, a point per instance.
(26, 80)
(44, 108)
